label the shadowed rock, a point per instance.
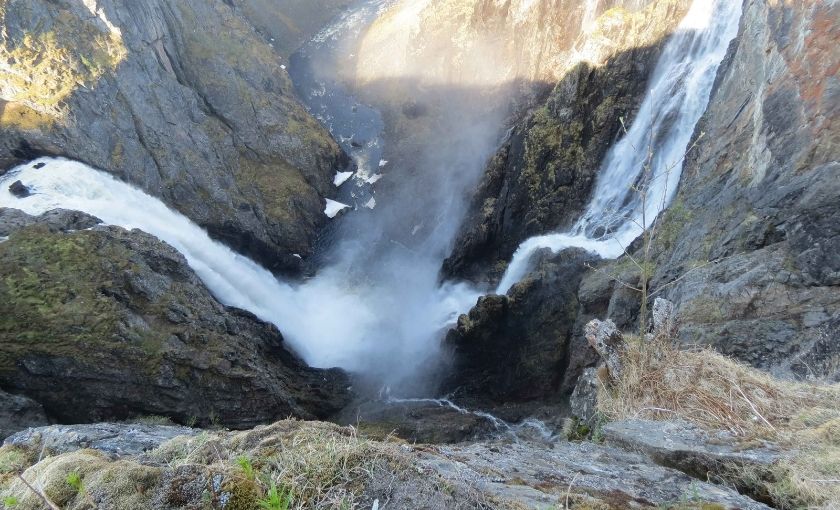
(18, 412)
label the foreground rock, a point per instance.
(18, 412)
(185, 100)
(109, 324)
(202, 470)
(113, 439)
(685, 447)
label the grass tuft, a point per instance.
(701, 386)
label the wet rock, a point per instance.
(418, 422)
(19, 190)
(113, 439)
(541, 178)
(516, 347)
(18, 412)
(608, 341)
(107, 324)
(683, 446)
(221, 126)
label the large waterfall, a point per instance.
(650, 155)
(391, 320)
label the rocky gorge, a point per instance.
(129, 350)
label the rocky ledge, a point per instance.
(141, 466)
(105, 323)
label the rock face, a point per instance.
(183, 99)
(541, 177)
(113, 439)
(755, 230)
(685, 447)
(109, 324)
(747, 251)
(517, 347)
(18, 412)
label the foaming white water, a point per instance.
(329, 324)
(680, 89)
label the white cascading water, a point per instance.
(323, 321)
(679, 94)
(331, 322)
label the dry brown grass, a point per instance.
(661, 381)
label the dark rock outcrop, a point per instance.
(183, 99)
(109, 324)
(517, 347)
(18, 412)
(432, 422)
(19, 190)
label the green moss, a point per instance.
(51, 297)
(46, 67)
(57, 300)
(279, 187)
(670, 227)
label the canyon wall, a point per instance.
(187, 100)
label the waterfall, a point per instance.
(679, 93)
(388, 322)
(329, 324)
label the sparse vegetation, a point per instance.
(661, 381)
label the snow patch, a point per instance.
(341, 177)
(334, 208)
(370, 204)
(382, 162)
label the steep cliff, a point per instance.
(183, 99)
(748, 249)
(541, 177)
(755, 231)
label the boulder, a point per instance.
(18, 412)
(608, 341)
(107, 324)
(583, 403)
(56, 220)
(19, 190)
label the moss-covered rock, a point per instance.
(106, 323)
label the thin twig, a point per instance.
(755, 410)
(569, 490)
(38, 493)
